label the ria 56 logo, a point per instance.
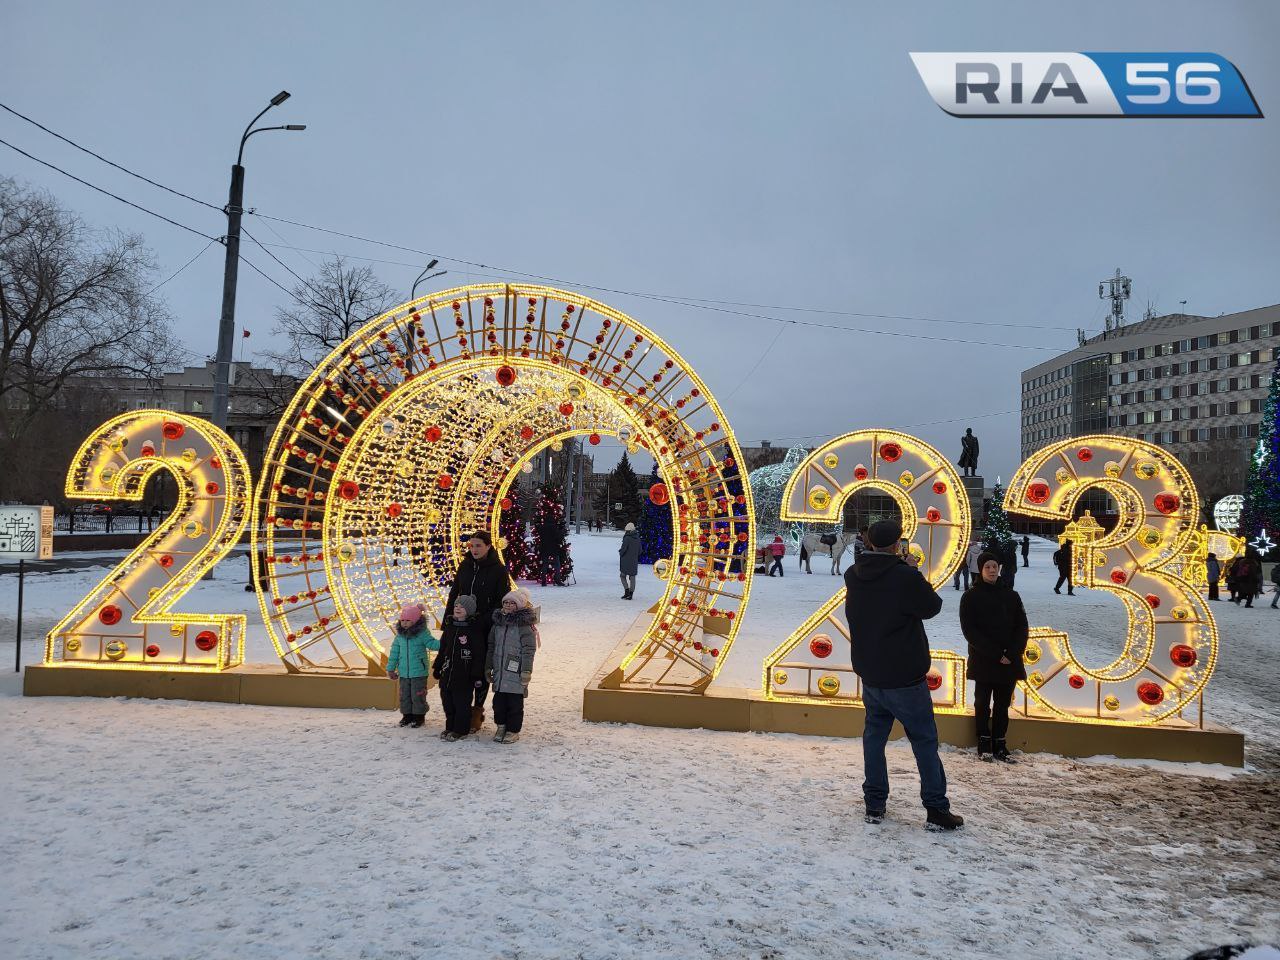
(1086, 85)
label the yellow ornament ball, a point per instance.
(346, 552)
(177, 629)
(1146, 469)
(1111, 703)
(1150, 537)
(819, 498)
(831, 461)
(1032, 653)
(502, 543)
(116, 649)
(779, 677)
(1181, 613)
(404, 469)
(1063, 475)
(556, 446)
(107, 473)
(189, 455)
(906, 478)
(1112, 469)
(661, 568)
(828, 685)
(576, 391)
(1036, 679)
(193, 529)
(71, 644)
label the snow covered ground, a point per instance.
(148, 829)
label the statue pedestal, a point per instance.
(974, 488)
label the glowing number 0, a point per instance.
(1172, 643)
(126, 620)
(935, 517)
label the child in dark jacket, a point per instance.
(460, 666)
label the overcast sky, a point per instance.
(783, 154)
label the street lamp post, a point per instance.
(230, 272)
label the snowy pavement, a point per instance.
(146, 829)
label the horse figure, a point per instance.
(832, 544)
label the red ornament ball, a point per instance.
(939, 488)
(1118, 576)
(658, 494)
(859, 472)
(506, 375)
(1183, 655)
(206, 640)
(933, 514)
(110, 614)
(211, 488)
(1075, 681)
(153, 650)
(444, 481)
(890, 451)
(820, 646)
(172, 430)
(1150, 693)
(933, 680)
(526, 432)
(506, 503)
(349, 490)
(394, 510)
(1167, 503)
(1153, 601)
(594, 439)
(165, 560)
(1084, 454)
(148, 449)
(433, 434)
(1038, 492)
(566, 408)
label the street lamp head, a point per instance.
(432, 264)
(295, 126)
(280, 98)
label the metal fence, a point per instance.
(117, 521)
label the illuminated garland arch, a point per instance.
(409, 433)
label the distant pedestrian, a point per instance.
(777, 550)
(994, 623)
(512, 645)
(407, 663)
(1248, 580)
(1026, 550)
(1275, 583)
(962, 572)
(1212, 574)
(886, 603)
(1008, 555)
(629, 560)
(1062, 560)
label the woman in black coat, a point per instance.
(482, 575)
(995, 624)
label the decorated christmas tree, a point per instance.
(550, 560)
(1262, 491)
(515, 540)
(655, 527)
(998, 535)
(623, 487)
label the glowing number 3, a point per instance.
(935, 517)
(1172, 643)
(126, 620)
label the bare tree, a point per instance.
(75, 305)
(326, 310)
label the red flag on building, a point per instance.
(244, 333)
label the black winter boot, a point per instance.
(984, 748)
(1001, 752)
(873, 816)
(940, 820)
(406, 719)
(418, 719)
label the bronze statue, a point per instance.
(969, 454)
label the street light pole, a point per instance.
(231, 269)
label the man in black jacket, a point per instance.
(886, 604)
(483, 575)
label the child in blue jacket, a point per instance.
(407, 662)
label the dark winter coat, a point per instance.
(1026, 547)
(512, 643)
(995, 624)
(487, 581)
(1212, 570)
(886, 602)
(463, 656)
(629, 554)
(1062, 558)
(1275, 574)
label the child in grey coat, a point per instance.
(512, 644)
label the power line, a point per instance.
(113, 196)
(110, 163)
(181, 268)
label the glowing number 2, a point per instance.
(810, 666)
(1172, 643)
(126, 620)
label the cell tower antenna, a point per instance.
(1117, 290)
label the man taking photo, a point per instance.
(886, 604)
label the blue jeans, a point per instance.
(913, 708)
